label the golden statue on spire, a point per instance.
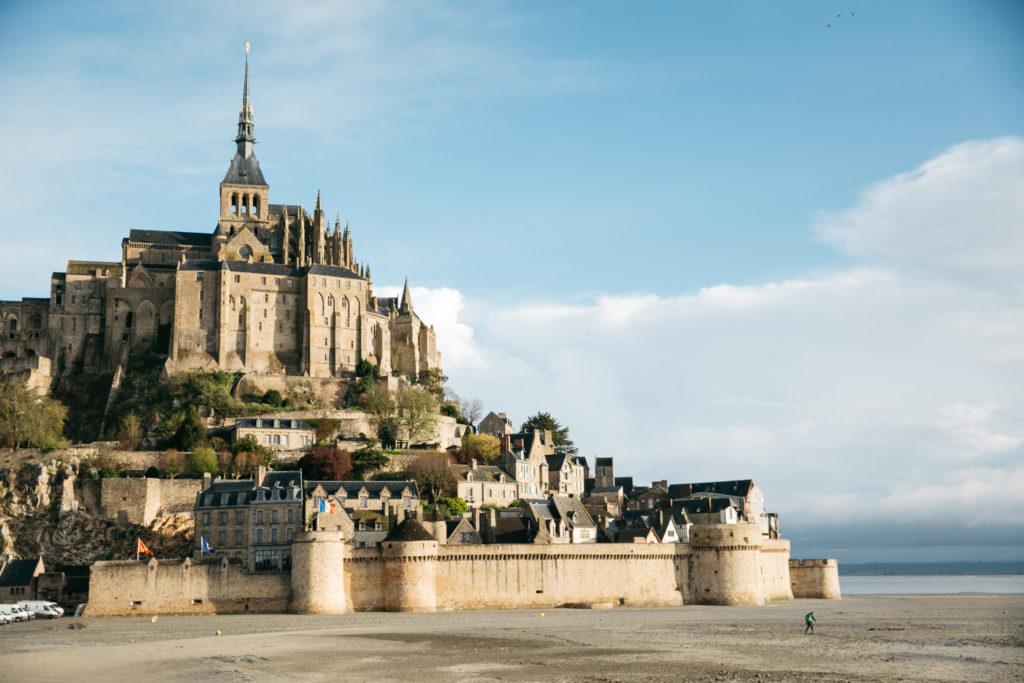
(247, 45)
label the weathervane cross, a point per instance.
(246, 45)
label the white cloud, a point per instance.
(852, 395)
(963, 209)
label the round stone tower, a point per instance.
(724, 567)
(318, 579)
(815, 579)
(410, 569)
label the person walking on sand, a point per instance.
(809, 620)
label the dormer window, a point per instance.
(208, 501)
(224, 498)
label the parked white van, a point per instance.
(18, 612)
(42, 608)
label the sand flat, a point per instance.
(941, 638)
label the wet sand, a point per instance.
(968, 638)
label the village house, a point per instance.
(484, 485)
(276, 434)
(18, 578)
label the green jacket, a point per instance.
(809, 618)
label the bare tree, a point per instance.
(471, 409)
(432, 473)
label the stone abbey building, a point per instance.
(272, 290)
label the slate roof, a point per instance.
(572, 511)
(334, 271)
(555, 461)
(410, 530)
(603, 462)
(18, 572)
(583, 462)
(488, 473)
(284, 478)
(352, 488)
(731, 487)
(625, 482)
(697, 505)
(244, 171)
(195, 239)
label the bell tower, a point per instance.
(244, 194)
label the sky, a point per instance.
(716, 239)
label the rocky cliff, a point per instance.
(47, 510)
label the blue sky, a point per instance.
(581, 190)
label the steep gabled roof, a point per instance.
(173, 237)
(18, 572)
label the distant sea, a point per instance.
(932, 578)
(963, 584)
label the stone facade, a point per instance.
(272, 290)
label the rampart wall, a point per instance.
(183, 587)
(728, 565)
(815, 579)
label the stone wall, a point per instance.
(815, 579)
(141, 500)
(727, 565)
(183, 587)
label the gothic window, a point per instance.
(234, 203)
(330, 301)
(245, 205)
(231, 302)
(256, 205)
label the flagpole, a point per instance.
(136, 549)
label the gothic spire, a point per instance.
(318, 209)
(406, 304)
(244, 139)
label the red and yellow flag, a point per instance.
(144, 549)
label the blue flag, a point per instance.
(204, 546)
(323, 505)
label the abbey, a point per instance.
(272, 290)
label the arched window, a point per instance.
(330, 301)
(231, 302)
(256, 205)
(13, 325)
(245, 205)
(234, 203)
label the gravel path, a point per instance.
(859, 638)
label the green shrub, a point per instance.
(201, 460)
(456, 506)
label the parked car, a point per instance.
(41, 608)
(17, 612)
(5, 618)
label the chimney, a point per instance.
(492, 524)
(472, 463)
(476, 521)
(506, 443)
(261, 474)
(207, 480)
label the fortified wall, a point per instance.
(815, 578)
(727, 565)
